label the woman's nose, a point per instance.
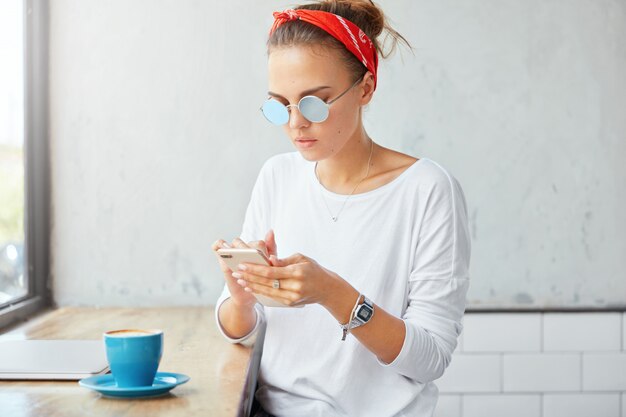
(296, 119)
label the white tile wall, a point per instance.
(547, 372)
(582, 332)
(502, 333)
(448, 406)
(581, 405)
(537, 364)
(502, 405)
(472, 373)
(604, 371)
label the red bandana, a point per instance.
(341, 29)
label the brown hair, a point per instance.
(365, 14)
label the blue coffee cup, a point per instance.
(133, 356)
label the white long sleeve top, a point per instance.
(405, 245)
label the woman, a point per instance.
(373, 243)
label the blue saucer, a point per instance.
(105, 385)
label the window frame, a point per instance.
(36, 167)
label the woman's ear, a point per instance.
(367, 88)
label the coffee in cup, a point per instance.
(133, 355)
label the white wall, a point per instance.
(157, 140)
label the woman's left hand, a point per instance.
(301, 280)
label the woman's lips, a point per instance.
(305, 143)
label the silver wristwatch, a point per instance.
(364, 312)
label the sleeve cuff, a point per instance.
(250, 338)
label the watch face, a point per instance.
(365, 313)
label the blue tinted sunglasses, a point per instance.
(313, 108)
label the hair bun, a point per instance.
(371, 18)
(367, 16)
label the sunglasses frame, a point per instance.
(326, 103)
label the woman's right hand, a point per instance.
(239, 296)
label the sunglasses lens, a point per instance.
(275, 112)
(314, 109)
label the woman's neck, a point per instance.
(349, 165)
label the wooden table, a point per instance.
(223, 375)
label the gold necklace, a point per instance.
(336, 217)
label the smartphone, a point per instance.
(235, 256)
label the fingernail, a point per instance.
(241, 282)
(247, 289)
(237, 275)
(242, 267)
(226, 245)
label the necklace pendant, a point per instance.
(334, 219)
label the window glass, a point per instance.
(13, 283)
